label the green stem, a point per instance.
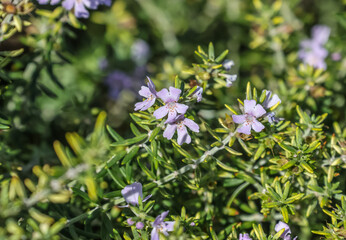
(85, 215)
(194, 165)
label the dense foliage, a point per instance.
(196, 119)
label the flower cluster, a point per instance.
(312, 51)
(253, 111)
(80, 6)
(159, 225)
(116, 82)
(249, 119)
(230, 78)
(174, 110)
(132, 193)
(269, 102)
(286, 235)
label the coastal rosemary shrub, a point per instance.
(206, 119)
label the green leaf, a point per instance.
(236, 193)
(286, 190)
(226, 167)
(313, 146)
(82, 194)
(129, 156)
(211, 51)
(294, 198)
(221, 56)
(114, 134)
(4, 126)
(284, 213)
(211, 131)
(135, 130)
(306, 167)
(46, 90)
(149, 173)
(287, 148)
(259, 152)
(116, 178)
(106, 227)
(311, 208)
(303, 115)
(53, 77)
(231, 109)
(245, 177)
(273, 193)
(112, 194)
(154, 133)
(113, 160)
(248, 91)
(283, 126)
(271, 205)
(278, 234)
(232, 151)
(299, 137)
(130, 141)
(191, 91)
(263, 96)
(242, 143)
(316, 188)
(74, 21)
(177, 82)
(183, 212)
(213, 234)
(288, 165)
(204, 58)
(18, 22)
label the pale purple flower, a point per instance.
(116, 82)
(179, 125)
(160, 226)
(313, 54)
(52, 2)
(286, 235)
(192, 224)
(272, 118)
(140, 51)
(228, 64)
(249, 119)
(336, 56)
(229, 78)
(80, 6)
(244, 236)
(105, 2)
(149, 93)
(103, 64)
(320, 34)
(131, 194)
(270, 100)
(312, 51)
(139, 225)
(130, 221)
(198, 93)
(172, 107)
